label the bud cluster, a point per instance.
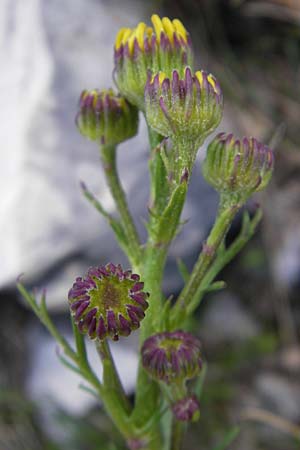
(173, 358)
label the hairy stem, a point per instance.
(111, 379)
(224, 219)
(108, 155)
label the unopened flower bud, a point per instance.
(165, 46)
(106, 117)
(108, 302)
(172, 356)
(187, 409)
(238, 167)
(188, 107)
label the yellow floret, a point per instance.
(140, 34)
(158, 26)
(199, 75)
(179, 28)
(168, 27)
(122, 36)
(212, 82)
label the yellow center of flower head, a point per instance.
(210, 79)
(142, 32)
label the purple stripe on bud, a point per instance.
(137, 287)
(101, 329)
(84, 305)
(111, 268)
(140, 299)
(188, 81)
(125, 328)
(133, 317)
(165, 86)
(134, 276)
(176, 42)
(92, 327)
(89, 316)
(111, 323)
(137, 310)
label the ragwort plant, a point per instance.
(154, 73)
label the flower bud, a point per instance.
(108, 302)
(187, 409)
(239, 167)
(172, 356)
(165, 46)
(184, 108)
(106, 117)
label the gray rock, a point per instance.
(225, 319)
(279, 394)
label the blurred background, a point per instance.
(50, 51)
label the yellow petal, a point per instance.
(168, 27)
(199, 76)
(140, 34)
(211, 81)
(126, 34)
(180, 28)
(158, 26)
(119, 37)
(130, 41)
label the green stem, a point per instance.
(247, 231)
(224, 218)
(178, 431)
(108, 155)
(111, 379)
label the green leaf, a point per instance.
(169, 220)
(200, 381)
(183, 270)
(159, 183)
(216, 286)
(69, 365)
(228, 439)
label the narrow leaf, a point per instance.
(228, 439)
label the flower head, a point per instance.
(108, 302)
(236, 166)
(172, 356)
(189, 107)
(106, 117)
(187, 409)
(164, 46)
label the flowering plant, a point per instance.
(154, 73)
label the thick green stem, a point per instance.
(111, 379)
(108, 155)
(225, 257)
(224, 218)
